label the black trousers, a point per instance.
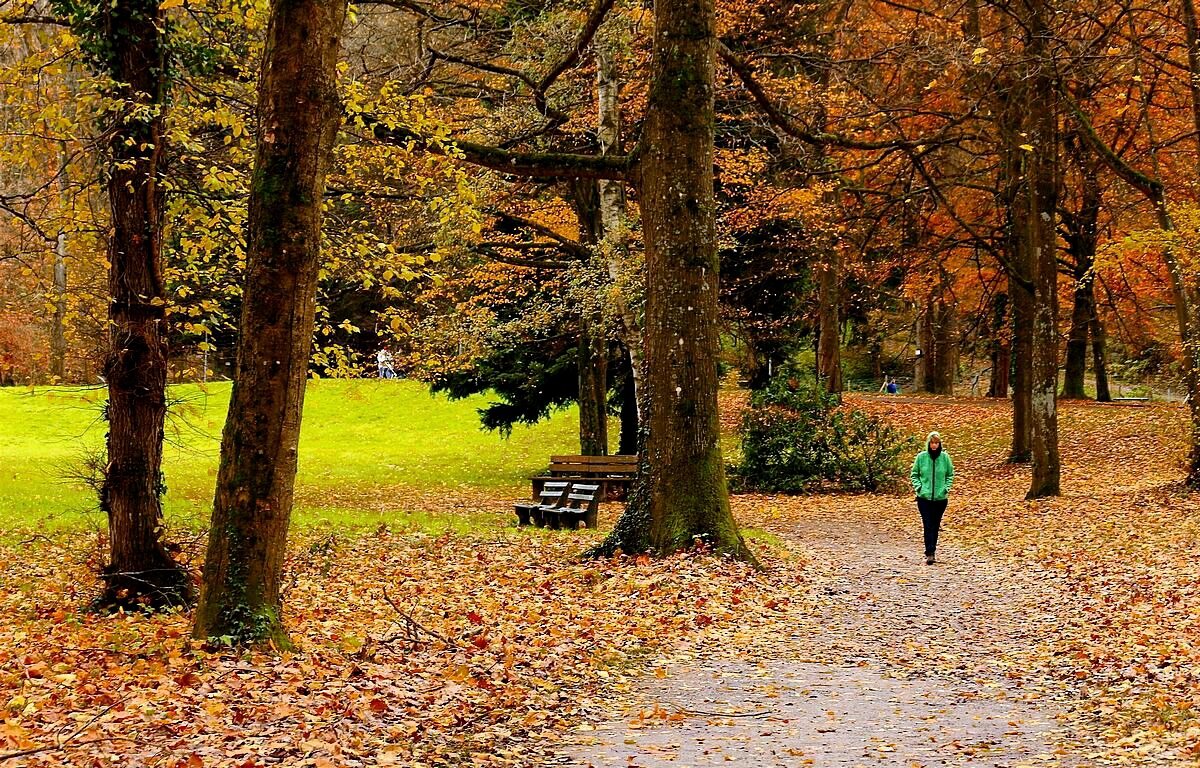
(931, 518)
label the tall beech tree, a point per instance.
(1042, 237)
(299, 115)
(124, 42)
(681, 493)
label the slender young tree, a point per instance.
(299, 115)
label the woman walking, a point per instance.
(932, 476)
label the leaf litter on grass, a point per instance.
(487, 644)
(414, 650)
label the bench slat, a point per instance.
(619, 458)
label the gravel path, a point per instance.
(893, 663)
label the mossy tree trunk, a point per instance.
(1042, 196)
(680, 495)
(299, 115)
(1009, 98)
(139, 571)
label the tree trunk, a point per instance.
(1043, 242)
(1077, 340)
(1022, 351)
(613, 219)
(1100, 354)
(593, 390)
(592, 358)
(139, 570)
(1001, 351)
(829, 353)
(1184, 285)
(680, 496)
(1081, 235)
(299, 115)
(58, 325)
(924, 375)
(945, 348)
(629, 412)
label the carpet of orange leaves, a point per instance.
(484, 648)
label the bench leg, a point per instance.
(537, 517)
(591, 519)
(522, 515)
(553, 520)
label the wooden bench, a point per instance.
(614, 474)
(549, 495)
(563, 505)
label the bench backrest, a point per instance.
(582, 496)
(621, 465)
(552, 492)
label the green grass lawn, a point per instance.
(360, 439)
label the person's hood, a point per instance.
(932, 435)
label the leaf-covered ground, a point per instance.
(1059, 632)
(442, 641)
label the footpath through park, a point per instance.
(900, 664)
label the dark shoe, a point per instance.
(929, 560)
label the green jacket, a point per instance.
(932, 479)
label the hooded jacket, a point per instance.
(932, 478)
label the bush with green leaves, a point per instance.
(796, 437)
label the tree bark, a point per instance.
(924, 375)
(1099, 353)
(1081, 236)
(592, 357)
(593, 390)
(630, 422)
(1077, 341)
(58, 324)
(299, 115)
(829, 351)
(680, 496)
(140, 571)
(945, 347)
(613, 219)
(1042, 191)
(1001, 351)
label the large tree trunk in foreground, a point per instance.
(1043, 242)
(1185, 284)
(680, 495)
(139, 570)
(299, 115)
